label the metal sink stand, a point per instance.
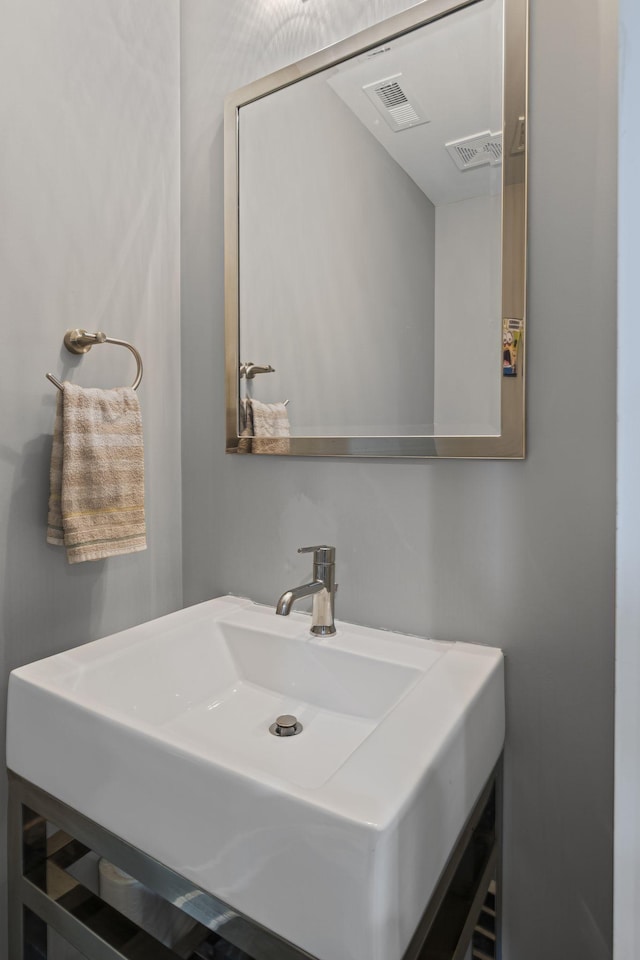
(43, 894)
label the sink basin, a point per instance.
(334, 838)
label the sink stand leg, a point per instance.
(27, 851)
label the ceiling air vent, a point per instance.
(392, 99)
(483, 148)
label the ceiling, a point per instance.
(451, 72)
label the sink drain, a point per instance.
(285, 726)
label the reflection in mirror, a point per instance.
(369, 287)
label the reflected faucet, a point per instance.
(322, 588)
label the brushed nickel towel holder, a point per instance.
(249, 370)
(81, 341)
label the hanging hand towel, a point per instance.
(96, 504)
(270, 427)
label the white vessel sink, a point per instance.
(334, 838)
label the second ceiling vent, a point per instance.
(482, 148)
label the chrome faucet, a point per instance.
(323, 589)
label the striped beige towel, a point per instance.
(271, 429)
(96, 504)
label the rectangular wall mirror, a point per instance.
(375, 242)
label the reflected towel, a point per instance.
(270, 427)
(96, 503)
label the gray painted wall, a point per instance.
(627, 787)
(89, 236)
(468, 316)
(515, 554)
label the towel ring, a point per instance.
(80, 341)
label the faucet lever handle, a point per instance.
(322, 553)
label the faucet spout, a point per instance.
(288, 598)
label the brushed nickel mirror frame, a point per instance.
(510, 443)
